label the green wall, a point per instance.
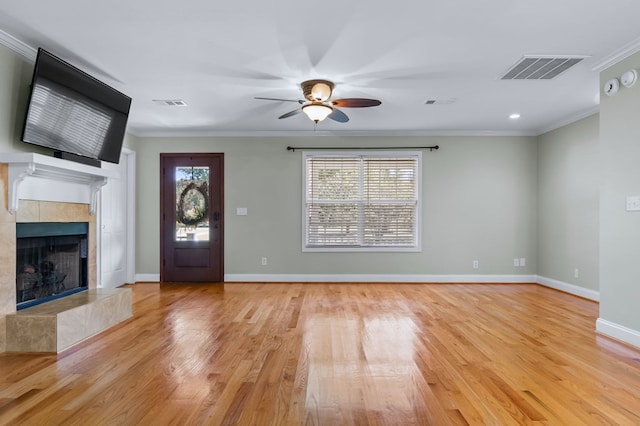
(620, 229)
(15, 77)
(568, 204)
(478, 203)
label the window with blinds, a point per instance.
(362, 201)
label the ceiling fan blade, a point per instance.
(291, 113)
(280, 100)
(338, 116)
(355, 102)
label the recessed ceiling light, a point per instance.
(514, 116)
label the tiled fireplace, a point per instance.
(33, 212)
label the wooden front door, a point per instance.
(191, 217)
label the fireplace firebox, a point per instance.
(51, 261)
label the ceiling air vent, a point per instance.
(440, 101)
(540, 67)
(170, 102)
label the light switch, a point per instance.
(241, 211)
(633, 203)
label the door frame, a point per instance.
(130, 225)
(162, 253)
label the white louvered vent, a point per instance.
(170, 102)
(540, 67)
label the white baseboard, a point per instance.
(618, 332)
(405, 278)
(146, 278)
(380, 278)
(569, 288)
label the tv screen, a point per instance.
(72, 112)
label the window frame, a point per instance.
(368, 154)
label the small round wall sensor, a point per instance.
(629, 78)
(611, 87)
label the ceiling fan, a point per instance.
(317, 105)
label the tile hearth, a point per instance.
(59, 324)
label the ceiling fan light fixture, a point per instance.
(321, 91)
(317, 90)
(319, 105)
(317, 111)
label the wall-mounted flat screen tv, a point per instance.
(72, 112)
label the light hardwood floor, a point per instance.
(334, 354)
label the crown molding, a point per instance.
(618, 55)
(155, 133)
(21, 48)
(570, 119)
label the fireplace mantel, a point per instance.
(43, 178)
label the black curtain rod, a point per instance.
(430, 148)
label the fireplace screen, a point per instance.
(51, 261)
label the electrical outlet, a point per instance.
(576, 273)
(475, 264)
(264, 261)
(516, 262)
(523, 261)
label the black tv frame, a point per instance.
(71, 86)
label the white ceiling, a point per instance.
(217, 56)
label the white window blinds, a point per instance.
(362, 201)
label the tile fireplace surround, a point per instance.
(47, 211)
